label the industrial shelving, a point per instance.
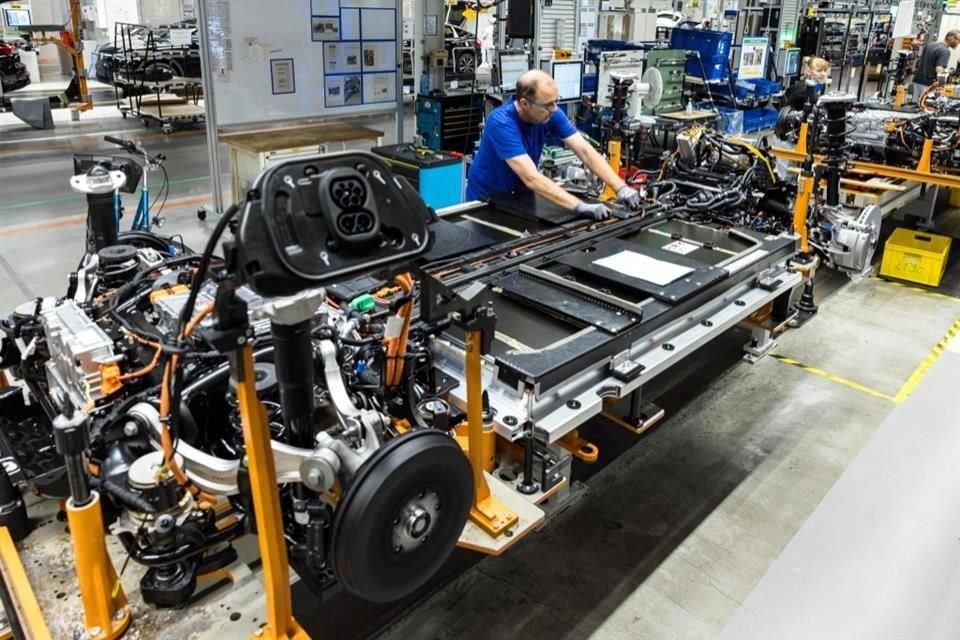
(144, 84)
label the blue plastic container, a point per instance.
(764, 87)
(757, 119)
(714, 49)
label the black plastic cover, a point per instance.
(310, 222)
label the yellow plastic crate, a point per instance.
(915, 256)
(955, 197)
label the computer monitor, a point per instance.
(17, 17)
(568, 74)
(788, 62)
(512, 65)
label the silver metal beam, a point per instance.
(399, 78)
(210, 107)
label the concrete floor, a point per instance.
(675, 537)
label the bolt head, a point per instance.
(241, 339)
(96, 631)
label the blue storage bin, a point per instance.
(744, 90)
(756, 119)
(764, 87)
(754, 88)
(714, 49)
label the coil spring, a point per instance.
(114, 275)
(274, 418)
(836, 145)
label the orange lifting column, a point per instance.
(802, 138)
(487, 512)
(800, 210)
(613, 148)
(281, 624)
(75, 16)
(24, 602)
(106, 614)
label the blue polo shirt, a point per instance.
(507, 136)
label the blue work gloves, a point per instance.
(598, 211)
(628, 197)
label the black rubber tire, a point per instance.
(363, 556)
(466, 62)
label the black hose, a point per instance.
(366, 342)
(217, 376)
(182, 551)
(127, 498)
(185, 316)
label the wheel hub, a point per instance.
(401, 515)
(416, 521)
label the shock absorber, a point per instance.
(835, 108)
(99, 185)
(618, 101)
(290, 326)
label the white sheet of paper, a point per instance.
(637, 265)
(681, 247)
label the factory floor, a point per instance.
(811, 495)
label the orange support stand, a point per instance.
(613, 148)
(75, 16)
(926, 156)
(26, 610)
(801, 208)
(106, 614)
(802, 139)
(70, 42)
(281, 624)
(487, 512)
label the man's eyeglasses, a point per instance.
(550, 106)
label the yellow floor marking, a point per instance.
(911, 384)
(829, 376)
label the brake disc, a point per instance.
(401, 516)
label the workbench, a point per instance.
(252, 151)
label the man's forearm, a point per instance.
(544, 186)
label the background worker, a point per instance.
(816, 75)
(513, 140)
(933, 62)
(816, 71)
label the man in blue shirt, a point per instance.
(513, 139)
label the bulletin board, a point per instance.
(291, 59)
